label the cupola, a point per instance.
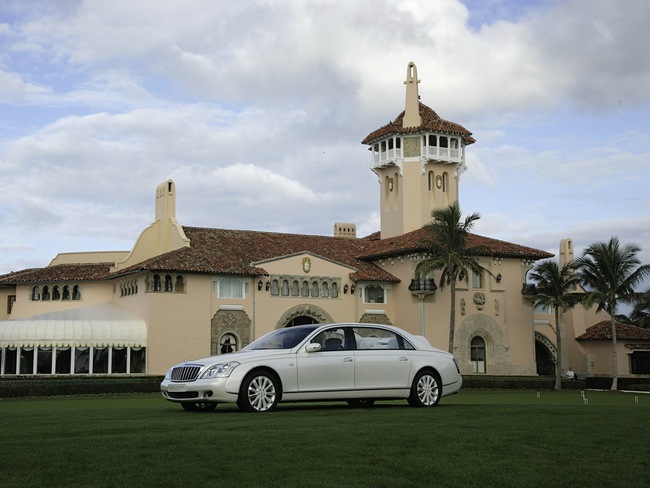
(418, 158)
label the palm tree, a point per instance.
(609, 272)
(447, 250)
(641, 312)
(556, 288)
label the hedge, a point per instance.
(39, 386)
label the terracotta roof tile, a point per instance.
(59, 272)
(430, 122)
(412, 242)
(602, 331)
(236, 251)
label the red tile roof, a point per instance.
(602, 331)
(244, 252)
(237, 251)
(430, 122)
(59, 272)
(412, 242)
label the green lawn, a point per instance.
(475, 438)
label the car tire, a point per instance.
(199, 406)
(426, 389)
(260, 392)
(361, 403)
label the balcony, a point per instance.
(529, 290)
(388, 157)
(423, 287)
(450, 154)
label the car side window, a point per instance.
(371, 338)
(331, 340)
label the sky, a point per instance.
(257, 109)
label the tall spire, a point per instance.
(412, 108)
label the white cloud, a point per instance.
(256, 110)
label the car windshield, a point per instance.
(282, 338)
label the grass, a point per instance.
(475, 438)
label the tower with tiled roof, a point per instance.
(418, 159)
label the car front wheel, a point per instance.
(259, 392)
(199, 406)
(426, 389)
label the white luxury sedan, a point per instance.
(357, 363)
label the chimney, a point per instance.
(345, 230)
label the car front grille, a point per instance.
(183, 394)
(185, 373)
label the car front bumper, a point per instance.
(213, 390)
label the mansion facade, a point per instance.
(187, 292)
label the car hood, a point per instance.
(239, 356)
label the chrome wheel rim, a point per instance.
(427, 390)
(261, 393)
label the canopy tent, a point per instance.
(96, 325)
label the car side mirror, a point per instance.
(313, 347)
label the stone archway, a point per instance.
(545, 355)
(235, 323)
(497, 351)
(302, 314)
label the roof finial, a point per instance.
(412, 108)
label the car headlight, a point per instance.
(221, 370)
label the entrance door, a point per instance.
(478, 354)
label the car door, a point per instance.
(323, 373)
(379, 362)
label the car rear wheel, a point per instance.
(199, 406)
(259, 392)
(426, 390)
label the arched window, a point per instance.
(36, 294)
(275, 288)
(76, 292)
(46, 293)
(314, 289)
(156, 283)
(445, 181)
(66, 292)
(179, 287)
(430, 178)
(169, 286)
(477, 354)
(374, 294)
(228, 343)
(285, 288)
(305, 289)
(56, 293)
(294, 289)
(335, 290)
(325, 290)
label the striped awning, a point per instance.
(97, 325)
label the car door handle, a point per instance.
(347, 360)
(403, 358)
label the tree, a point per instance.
(447, 250)
(556, 288)
(609, 272)
(641, 312)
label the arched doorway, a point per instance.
(477, 354)
(545, 356)
(301, 320)
(304, 314)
